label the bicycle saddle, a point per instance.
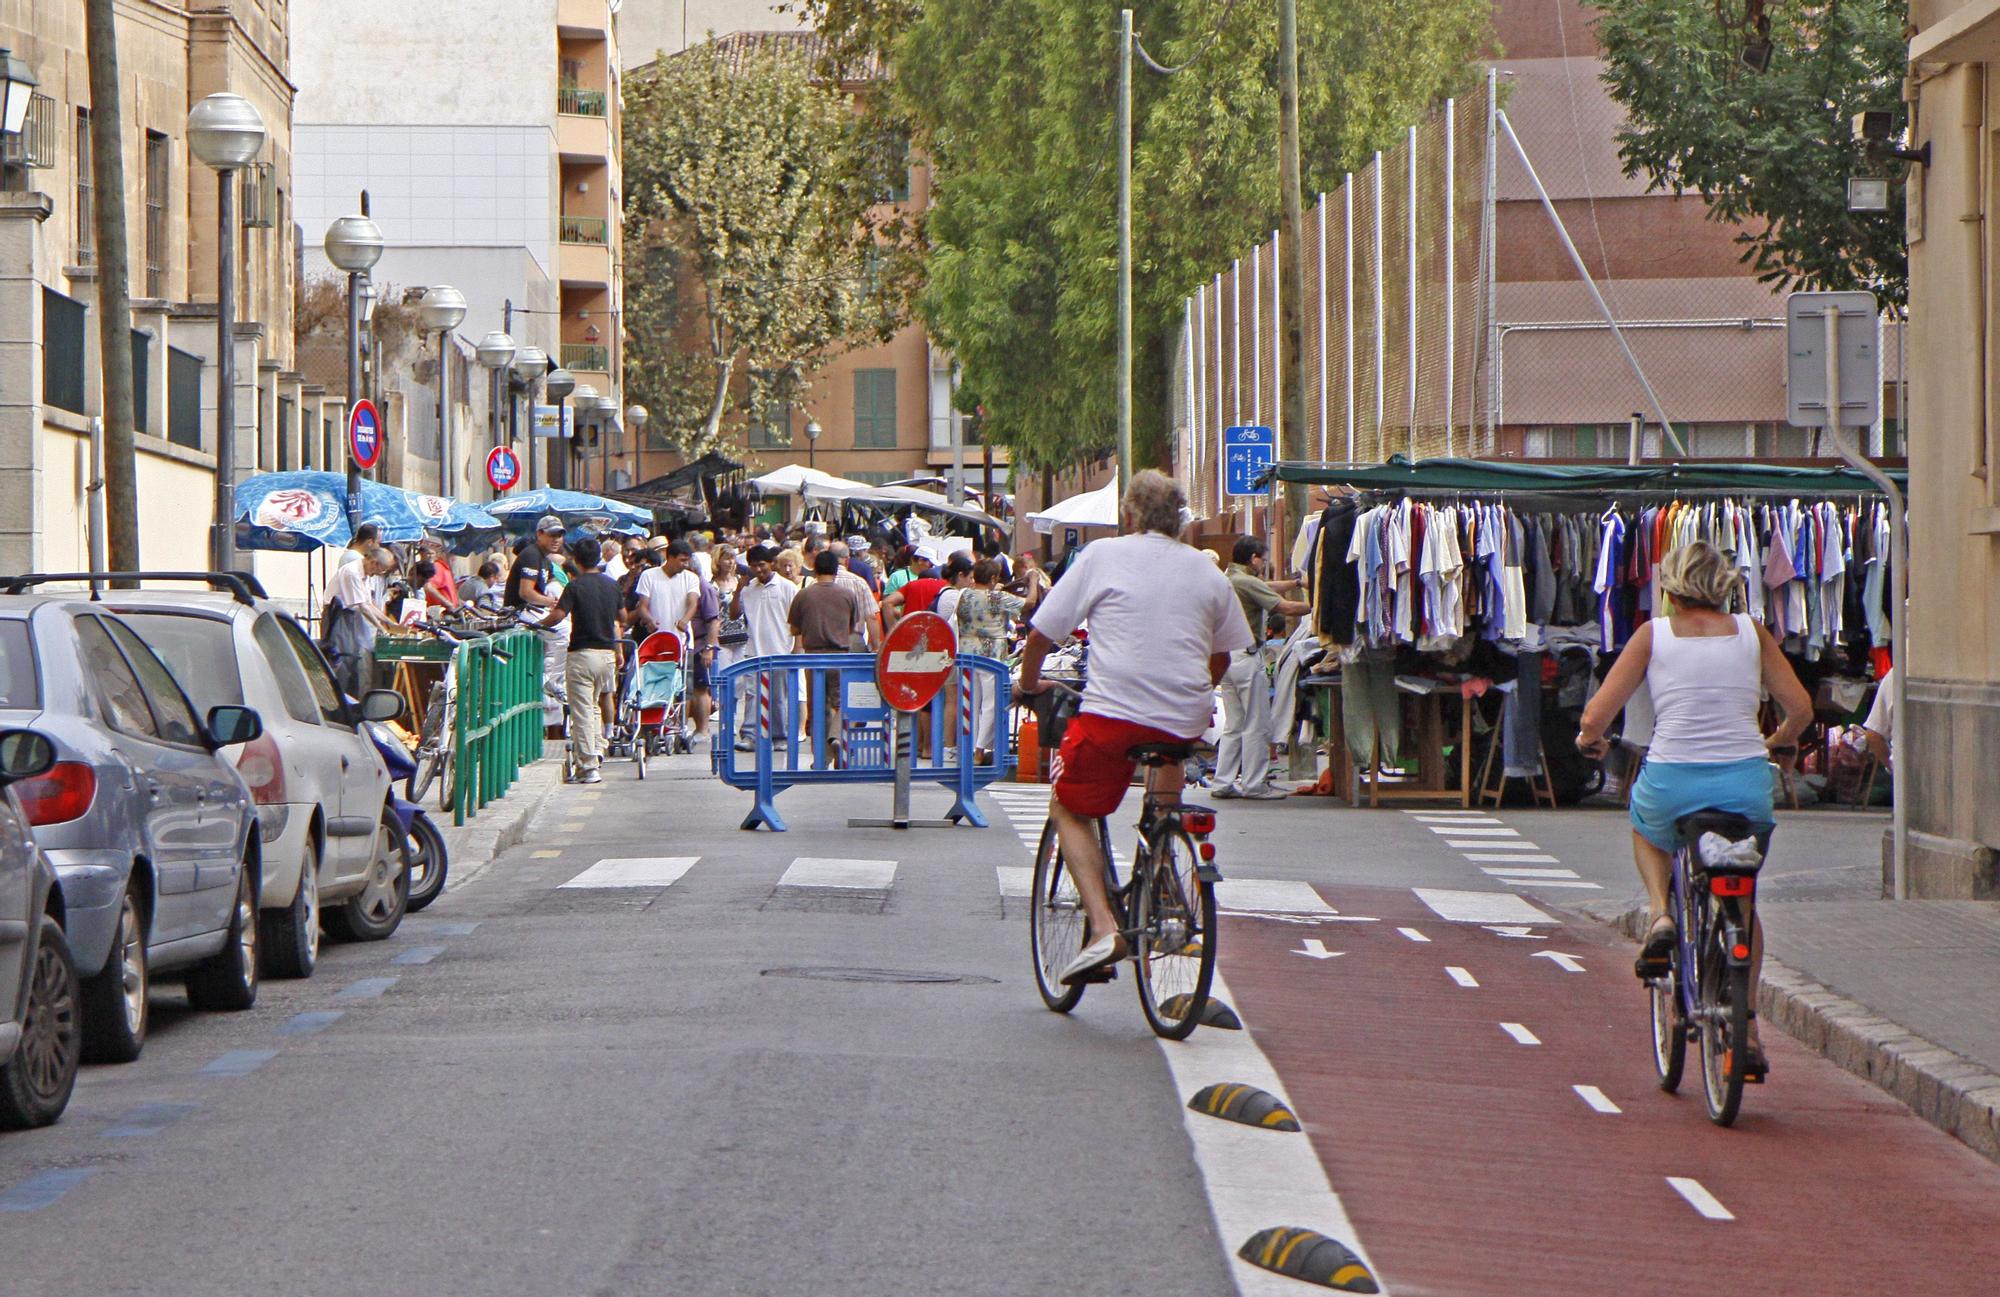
(1160, 754)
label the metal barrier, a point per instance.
(758, 699)
(497, 727)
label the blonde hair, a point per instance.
(1698, 575)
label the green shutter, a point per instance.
(875, 408)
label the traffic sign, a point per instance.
(364, 434)
(1246, 452)
(916, 659)
(503, 468)
(1860, 367)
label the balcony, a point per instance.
(590, 230)
(588, 17)
(590, 357)
(583, 139)
(584, 264)
(579, 102)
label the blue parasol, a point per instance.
(581, 512)
(301, 511)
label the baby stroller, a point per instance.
(652, 709)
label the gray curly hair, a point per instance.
(1155, 502)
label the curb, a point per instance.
(1949, 1091)
(502, 825)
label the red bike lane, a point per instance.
(1472, 1167)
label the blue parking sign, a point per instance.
(1246, 453)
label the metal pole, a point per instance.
(1347, 203)
(1450, 267)
(1634, 436)
(1322, 327)
(95, 489)
(1490, 243)
(1124, 248)
(444, 412)
(1256, 334)
(528, 395)
(353, 395)
(1604, 309)
(222, 540)
(1899, 587)
(1412, 290)
(1219, 385)
(1381, 321)
(957, 425)
(1277, 342)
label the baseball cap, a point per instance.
(550, 522)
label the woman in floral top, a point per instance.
(986, 616)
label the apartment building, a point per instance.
(652, 28)
(172, 53)
(486, 139)
(884, 409)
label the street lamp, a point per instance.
(607, 421)
(354, 244)
(559, 384)
(635, 424)
(583, 400)
(17, 92)
(530, 363)
(443, 309)
(812, 439)
(496, 353)
(224, 132)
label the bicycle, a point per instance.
(435, 753)
(1165, 906)
(1705, 993)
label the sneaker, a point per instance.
(1267, 793)
(591, 777)
(1223, 792)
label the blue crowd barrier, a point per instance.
(759, 697)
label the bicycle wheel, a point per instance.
(1725, 1034)
(431, 745)
(1173, 920)
(1056, 926)
(447, 777)
(639, 757)
(1669, 1038)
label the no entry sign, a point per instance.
(915, 661)
(503, 468)
(364, 434)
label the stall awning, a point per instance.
(1097, 508)
(658, 489)
(1582, 479)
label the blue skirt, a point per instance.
(1666, 791)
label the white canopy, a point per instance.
(1097, 508)
(797, 479)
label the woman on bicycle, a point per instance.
(1707, 670)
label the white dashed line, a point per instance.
(1699, 1198)
(1521, 1035)
(1473, 831)
(1467, 818)
(1445, 815)
(1460, 976)
(1414, 935)
(1552, 882)
(1513, 871)
(855, 875)
(1593, 1096)
(1526, 858)
(647, 871)
(1510, 846)
(1459, 906)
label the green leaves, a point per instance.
(1770, 152)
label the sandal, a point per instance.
(1656, 955)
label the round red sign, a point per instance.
(364, 434)
(503, 468)
(915, 661)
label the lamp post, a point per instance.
(496, 353)
(583, 400)
(354, 244)
(17, 92)
(635, 427)
(607, 421)
(224, 132)
(530, 363)
(442, 310)
(559, 384)
(812, 439)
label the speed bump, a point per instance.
(1244, 1103)
(1214, 1014)
(1309, 1255)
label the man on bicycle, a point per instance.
(1163, 624)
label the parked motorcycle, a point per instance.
(423, 844)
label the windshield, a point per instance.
(20, 689)
(198, 650)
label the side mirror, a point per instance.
(24, 754)
(382, 705)
(230, 725)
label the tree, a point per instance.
(1768, 151)
(751, 198)
(114, 295)
(1012, 102)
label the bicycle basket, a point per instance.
(1052, 709)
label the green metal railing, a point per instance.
(578, 102)
(498, 725)
(585, 229)
(592, 357)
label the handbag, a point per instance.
(734, 632)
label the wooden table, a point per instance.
(1430, 784)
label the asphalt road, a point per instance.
(815, 1061)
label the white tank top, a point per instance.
(1706, 690)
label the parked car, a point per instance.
(153, 836)
(331, 851)
(41, 1037)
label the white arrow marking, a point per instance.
(1596, 1098)
(1314, 948)
(1525, 934)
(1568, 963)
(920, 663)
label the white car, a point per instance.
(332, 848)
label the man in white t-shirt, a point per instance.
(764, 602)
(1163, 624)
(668, 593)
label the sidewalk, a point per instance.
(1905, 994)
(501, 824)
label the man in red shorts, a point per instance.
(1163, 623)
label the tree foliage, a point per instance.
(1014, 101)
(757, 246)
(1768, 151)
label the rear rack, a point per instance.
(244, 587)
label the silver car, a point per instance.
(152, 834)
(40, 1033)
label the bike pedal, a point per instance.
(1109, 973)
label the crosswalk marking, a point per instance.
(1015, 880)
(1511, 871)
(1553, 882)
(1479, 907)
(1256, 896)
(1487, 844)
(1442, 815)
(635, 871)
(1472, 831)
(1455, 819)
(827, 871)
(1529, 858)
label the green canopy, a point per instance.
(1583, 479)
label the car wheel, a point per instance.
(114, 1001)
(379, 909)
(291, 935)
(227, 980)
(35, 1084)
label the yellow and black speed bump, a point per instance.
(1215, 1014)
(1244, 1103)
(1309, 1255)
